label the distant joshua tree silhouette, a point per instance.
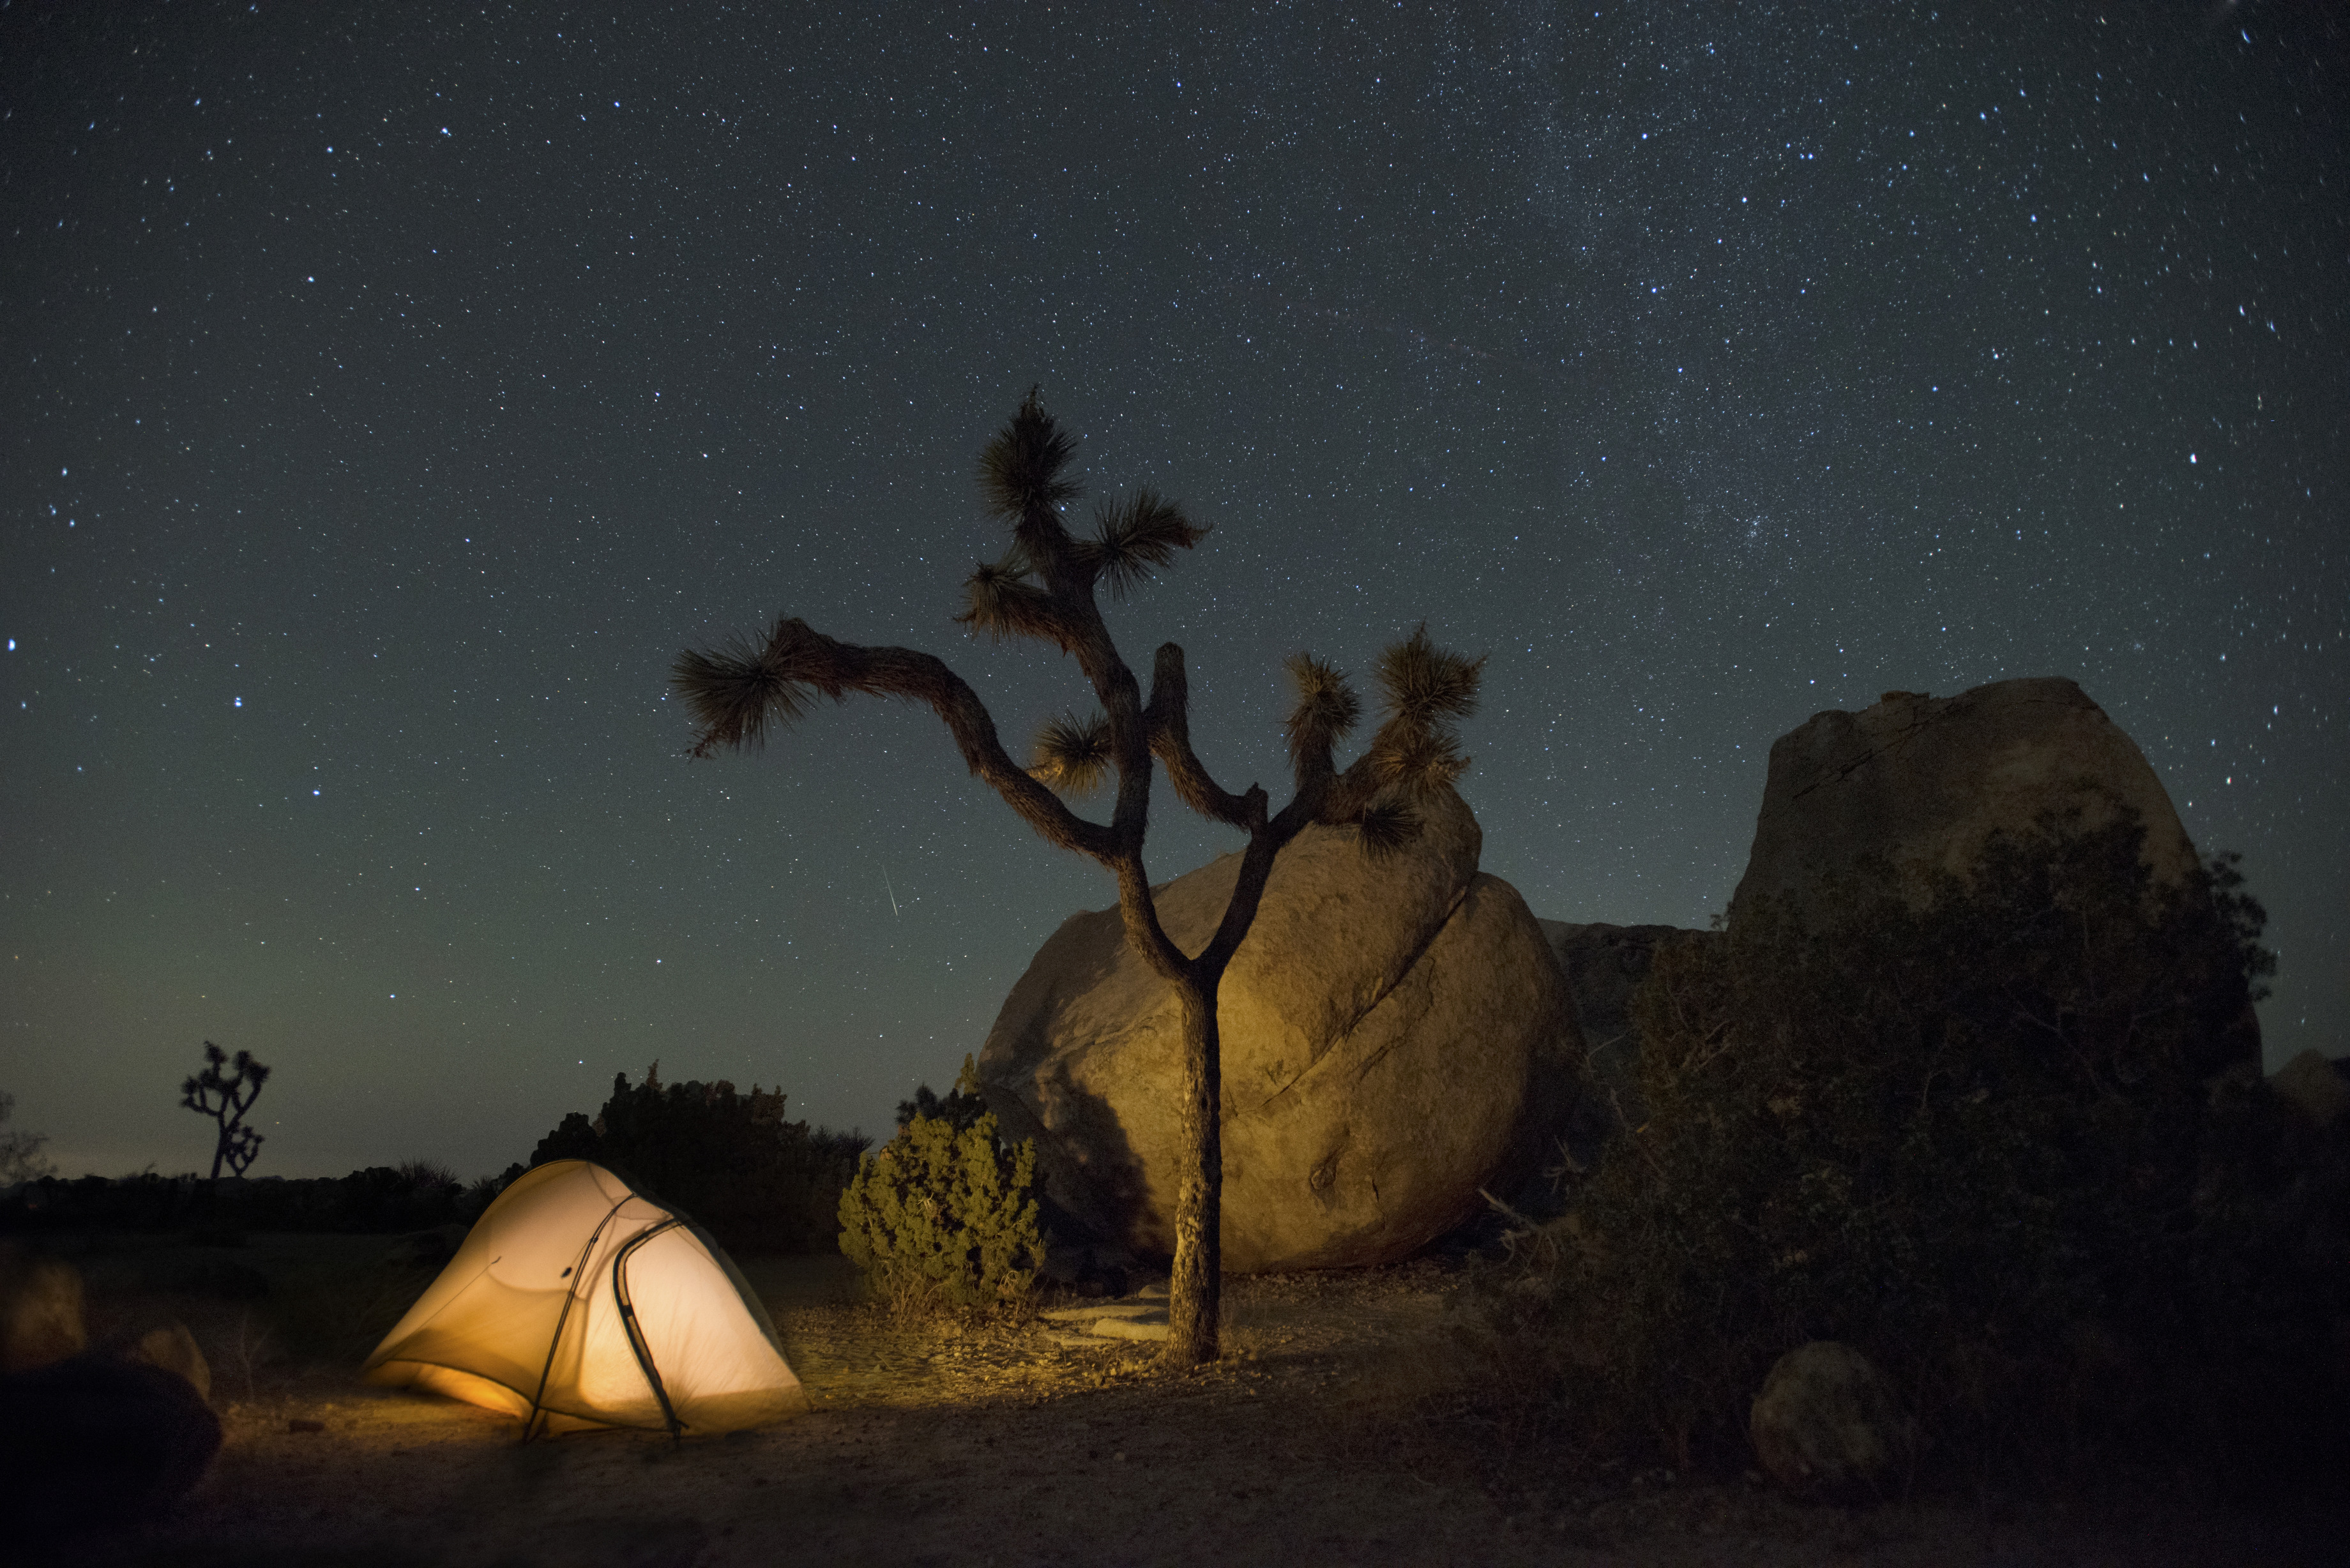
(225, 1097)
(20, 1152)
(1044, 588)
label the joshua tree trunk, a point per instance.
(1193, 1294)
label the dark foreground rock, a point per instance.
(2314, 1085)
(1391, 1031)
(92, 1438)
(97, 1440)
(1828, 1428)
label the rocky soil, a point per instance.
(1334, 1431)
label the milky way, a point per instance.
(390, 396)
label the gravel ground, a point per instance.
(1331, 1432)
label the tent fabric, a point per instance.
(576, 1302)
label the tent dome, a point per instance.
(577, 1301)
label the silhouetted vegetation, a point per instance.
(958, 1107)
(944, 1216)
(730, 1160)
(1976, 1132)
(20, 1151)
(226, 1097)
(414, 1196)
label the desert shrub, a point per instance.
(413, 1195)
(2271, 1292)
(730, 1160)
(1963, 1124)
(484, 1190)
(428, 1174)
(943, 1218)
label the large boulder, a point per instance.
(88, 1438)
(1394, 1034)
(1922, 782)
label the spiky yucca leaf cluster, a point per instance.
(1427, 691)
(1020, 468)
(1386, 828)
(739, 691)
(1134, 537)
(998, 599)
(1327, 710)
(1416, 752)
(1072, 755)
(1427, 687)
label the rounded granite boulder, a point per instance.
(1391, 1032)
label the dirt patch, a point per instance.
(1333, 1431)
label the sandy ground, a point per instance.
(1328, 1434)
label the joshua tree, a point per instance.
(226, 1097)
(20, 1152)
(1044, 588)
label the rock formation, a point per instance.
(1923, 781)
(88, 1439)
(1394, 1033)
(1827, 1427)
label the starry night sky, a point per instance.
(391, 395)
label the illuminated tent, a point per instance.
(575, 1303)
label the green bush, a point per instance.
(1963, 1125)
(945, 1217)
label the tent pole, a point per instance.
(555, 1340)
(636, 1334)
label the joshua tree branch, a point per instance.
(1171, 741)
(1248, 890)
(735, 691)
